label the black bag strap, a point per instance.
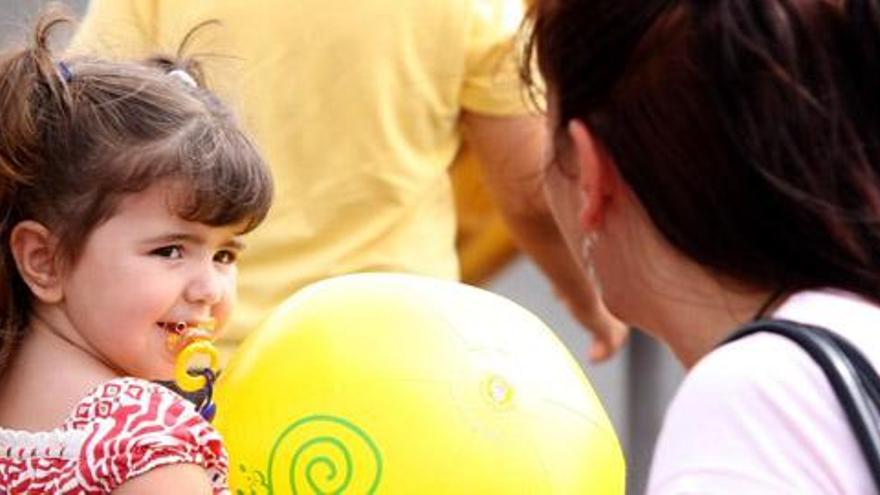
(853, 379)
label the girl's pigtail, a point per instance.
(34, 97)
(183, 62)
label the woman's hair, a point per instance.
(748, 129)
(77, 135)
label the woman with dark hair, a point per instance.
(717, 162)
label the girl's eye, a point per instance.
(225, 257)
(172, 252)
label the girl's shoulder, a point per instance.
(145, 425)
(121, 429)
(125, 397)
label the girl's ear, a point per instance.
(34, 250)
(597, 175)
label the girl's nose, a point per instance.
(206, 287)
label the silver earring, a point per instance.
(587, 242)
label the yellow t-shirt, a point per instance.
(355, 105)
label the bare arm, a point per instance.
(174, 479)
(510, 151)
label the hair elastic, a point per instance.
(184, 76)
(65, 72)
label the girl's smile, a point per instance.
(180, 333)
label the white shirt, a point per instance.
(758, 415)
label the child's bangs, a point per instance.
(227, 182)
(222, 177)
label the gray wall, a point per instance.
(15, 14)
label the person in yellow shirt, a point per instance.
(360, 107)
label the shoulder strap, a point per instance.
(853, 379)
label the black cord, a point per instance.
(774, 296)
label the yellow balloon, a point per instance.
(399, 384)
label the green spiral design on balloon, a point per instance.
(305, 458)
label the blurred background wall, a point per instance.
(635, 386)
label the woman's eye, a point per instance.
(226, 257)
(172, 252)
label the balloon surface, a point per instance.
(400, 384)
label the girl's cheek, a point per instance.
(232, 286)
(230, 296)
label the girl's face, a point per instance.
(141, 269)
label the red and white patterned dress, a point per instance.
(123, 428)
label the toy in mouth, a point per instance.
(181, 333)
(189, 341)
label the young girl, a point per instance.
(124, 190)
(719, 161)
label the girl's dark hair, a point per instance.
(77, 135)
(748, 129)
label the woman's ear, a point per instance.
(596, 174)
(34, 250)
